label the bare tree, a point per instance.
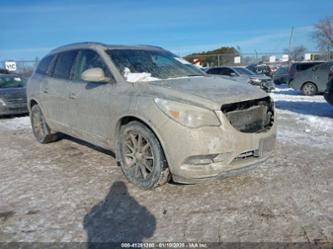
(323, 34)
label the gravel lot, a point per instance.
(69, 191)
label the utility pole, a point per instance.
(328, 52)
(290, 41)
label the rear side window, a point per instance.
(44, 65)
(64, 64)
(305, 66)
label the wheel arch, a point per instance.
(311, 82)
(129, 118)
(32, 102)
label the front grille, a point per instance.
(250, 116)
(14, 100)
(246, 155)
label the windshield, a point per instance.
(148, 65)
(244, 71)
(11, 82)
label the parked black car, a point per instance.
(328, 95)
(281, 76)
(13, 98)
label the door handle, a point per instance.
(72, 96)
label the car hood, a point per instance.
(211, 91)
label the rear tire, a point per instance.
(309, 89)
(40, 129)
(141, 156)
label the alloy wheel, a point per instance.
(138, 155)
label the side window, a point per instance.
(222, 71)
(231, 71)
(305, 66)
(226, 71)
(44, 65)
(89, 59)
(213, 71)
(64, 64)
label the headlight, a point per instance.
(2, 102)
(187, 115)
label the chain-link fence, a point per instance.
(26, 67)
(22, 67)
(243, 59)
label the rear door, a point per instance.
(42, 79)
(321, 75)
(57, 90)
(90, 103)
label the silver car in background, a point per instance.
(244, 75)
(310, 77)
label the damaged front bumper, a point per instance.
(208, 152)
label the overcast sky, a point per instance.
(32, 28)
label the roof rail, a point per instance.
(148, 45)
(78, 43)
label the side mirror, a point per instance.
(95, 75)
(232, 74)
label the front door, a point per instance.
(90, 103)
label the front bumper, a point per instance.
(196, 154)
(13, 109)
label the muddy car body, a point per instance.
(162, 116)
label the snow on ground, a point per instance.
(303, 119)
(70, 191)
(16, 123)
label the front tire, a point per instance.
(309, 89)
(41, 130)
(141, 156)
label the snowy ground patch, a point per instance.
(17, 123)
(303, 119)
